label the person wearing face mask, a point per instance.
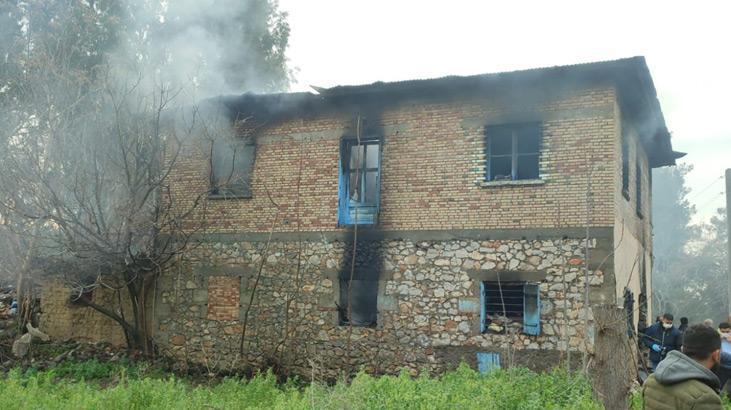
(685, 380)
(662, 338)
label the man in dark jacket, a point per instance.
(685, 380)
(662, 338)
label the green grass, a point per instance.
(74, 386)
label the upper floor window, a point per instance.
(360, 172)
(231, 165)
(625, 167)
(513, 151)
(638, 187)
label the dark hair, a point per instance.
(724, 325)
(684, 320)
(699, 341)
(668, 316)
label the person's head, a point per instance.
(667, 320)
(708, 322)
(684, 321)
(658, 319)
(724, 327)
(702, 344)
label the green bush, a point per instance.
(462, 388)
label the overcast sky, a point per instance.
(686, 45)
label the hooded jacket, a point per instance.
(681, 383)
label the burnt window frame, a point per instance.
(364, 289)
(638, 188)
(350, 213)
(625, 166)
(516, 129)
(232, 190)
(629, 309)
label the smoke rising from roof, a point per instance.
(207, 47)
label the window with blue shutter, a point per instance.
(510, 302)
(360, 182)
(487, 361)
(531, 309)
(483, 313)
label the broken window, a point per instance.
(513, 151)
(625, 167)
(231, 165)
(638, 188)
(629, 309)
(360, 170)
(363, 296)
(504, 303)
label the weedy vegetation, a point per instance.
(93, 385)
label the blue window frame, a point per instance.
(513, 151)
(517, 301)
(360, 182)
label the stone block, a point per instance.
(387, 303)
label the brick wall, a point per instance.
(223, 298)
(432, 180)
(62, 320)
(433, 168)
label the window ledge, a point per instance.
(228, 196)
(517, 182)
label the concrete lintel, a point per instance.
(224, 270)
(506, 276)
(366, 234)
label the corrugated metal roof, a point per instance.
(631, 77)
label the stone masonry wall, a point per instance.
(428, 303)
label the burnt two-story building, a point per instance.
(419, 223)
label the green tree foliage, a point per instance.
(689, 273)
(89, 90)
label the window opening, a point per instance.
(638, 186)
(625, 167)
(513, 152)
(364, 298)
(506, 303)
(360, 170)
(629, 308)
(231, 166)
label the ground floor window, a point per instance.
(504, 303)
(358, 302)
